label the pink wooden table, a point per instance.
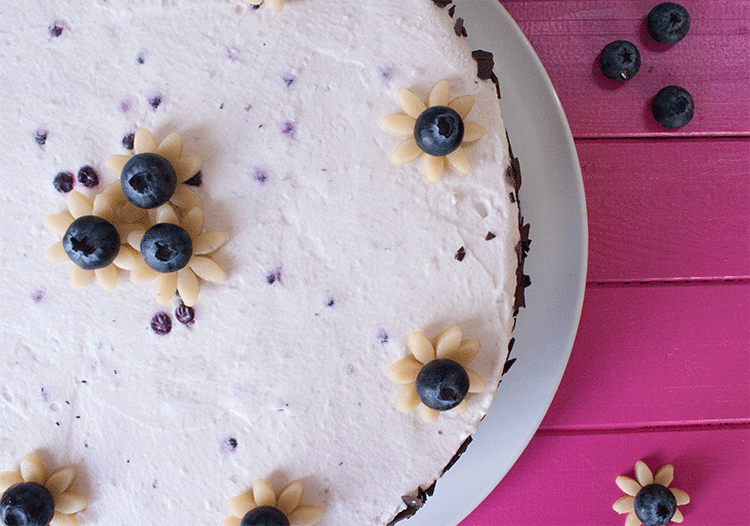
(660, 369)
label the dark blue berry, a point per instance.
(64, 182)
(88, 177)
(148, 180)
(185, 314)
(166, 247)
(56, 29)
(27, 504)
(619, 60)
(439, 130)
(161, 323)
(91, 242)
(264, 516)
(442, 384)
(655, 505)
(41, 136)
(155, 101)
(668, 23)
(673, 107)
(128, 141)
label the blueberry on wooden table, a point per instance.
(264, 516)
(148, 180)
(655, 505)
(442, 384)
(673, 107)
(439, 130)
(27, 504)
(620, 60)
(91, 242)
(668, 23)
(166, 247)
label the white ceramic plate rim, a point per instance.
(553, 202)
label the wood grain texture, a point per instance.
(712, 62)
(667, 209)
(569, 480)
(657, 356)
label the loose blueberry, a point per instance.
(40, 136)
(264, 516)
(91, 242)
(88, 177)
(128, 141)
(148, 180)
(185, 314)
(442, 384)
(620, 60)
(64, 182)
(27, 504)
(673, 107)
(655, 505)
(166, 247)
(439, 130)
(668, 23)
(161, 323)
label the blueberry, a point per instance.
(63, 182)
(264, 516)
(128, 141)
(620, 60)
(27, 504)
(91, 242)
(439, 130)
(655, 505)
(166, 247)
(161, 323)
(442, 384)
(88, 177)
(148, 180)
(673, 107)
(185, 314)
(668, 23)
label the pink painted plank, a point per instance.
(657, 356)
(570, 480)
(667, 209)
(712, 62)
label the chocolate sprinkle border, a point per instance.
(485, 66)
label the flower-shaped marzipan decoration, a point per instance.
(30, 491)
(264, 507)
(436, 377)
(435, 129)
(649, 500)
(273, 5)
(185, 167)
(90, 238)
(175, 252)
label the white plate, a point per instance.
(552, 201)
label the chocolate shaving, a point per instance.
(459, 28)
(496, 82)
(490, 236)
(508, 364)
(460, 254)
(461, 451)
(485, 63)
(442, 3)
(452, 11)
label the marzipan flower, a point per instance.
(273, 5)
(645, 492)
(403, 125)
(448, 346)
(79, 206)
(196, 264)
(263, 503)
(170, 148)
(66, 501)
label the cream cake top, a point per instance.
(334, 256)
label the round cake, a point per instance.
(331, 259)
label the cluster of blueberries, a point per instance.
(667, 23)
(148, 181)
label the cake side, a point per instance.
(334, 254)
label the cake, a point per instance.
(337, 263)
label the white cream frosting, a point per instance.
(284, 380)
